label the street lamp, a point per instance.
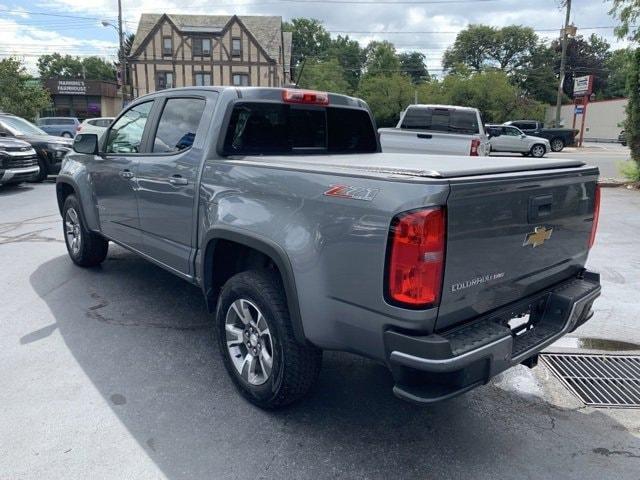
(121, 56)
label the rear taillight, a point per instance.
(309, 97)
(475, 146)
(596, 216)
(416, 258)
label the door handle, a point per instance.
(178, 180)
(126, 174)
(424, 135)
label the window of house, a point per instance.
(164, 80)
(178, 124)
(236, 47)
(167, 46)
(202, 47)
(202, 79)
(126, 134)
(240, 79)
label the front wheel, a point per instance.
(557, 144)
(67, 135)
(266, 363)
(538, 150)
(86, 248)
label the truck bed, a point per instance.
(413, 165)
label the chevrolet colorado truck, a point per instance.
(303, 237)
(437, 129)
(558, 137)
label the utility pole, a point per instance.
(563, 61)
(123, 58)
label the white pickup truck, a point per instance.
(437, 129)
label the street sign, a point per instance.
(582, 85)
(579, 109)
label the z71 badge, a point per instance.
(355, 193)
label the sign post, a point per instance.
(582, 88)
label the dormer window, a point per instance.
(167, 46)
(236, 47)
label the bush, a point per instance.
(630, 170)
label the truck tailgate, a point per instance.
(510, 237)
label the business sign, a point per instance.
(582, 85)
(72, 87)
(579, 109)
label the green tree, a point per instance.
(91, 68)
(350, 56)
(387, 95)
(490, 91)
(413, 65)
(618, 66)
(381, 59)
(628, 12)
(326, 76)
(584, 57)
(55, 65)
(310, 40)
(632, 122)
(473, 47)
(537, 77)
(20, 94)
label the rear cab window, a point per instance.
(265, 128)
(449, 120)
(178, 124)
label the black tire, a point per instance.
(295, 366)
(538, 150)
(42, 174)
(557, 144)
(67, 135)
(92, 248)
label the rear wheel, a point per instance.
(538, 150)
(67, 135)
(265, 361)
(557, 144)
(86, 248)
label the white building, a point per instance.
(603, 121)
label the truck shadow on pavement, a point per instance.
(145, 340)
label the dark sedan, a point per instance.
(51, 150)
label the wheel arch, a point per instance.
(220, 238)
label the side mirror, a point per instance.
(523, 135)
(86, 143)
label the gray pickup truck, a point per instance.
(303, 236)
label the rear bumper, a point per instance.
(436, 367)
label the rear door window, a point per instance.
(257, 128)
(441, 120)
(178, 124)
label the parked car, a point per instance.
(51, 150)
(622, 138)
(59, 126)
(304, 237)
(505, 138)
(18, 161)
(558, 137)
(437, 129)
(95, 125)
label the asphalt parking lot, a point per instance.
(112, 373)
(607, 156)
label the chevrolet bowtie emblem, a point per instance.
(537, 237)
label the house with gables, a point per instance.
(198, 50)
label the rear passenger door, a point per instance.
(168, 179)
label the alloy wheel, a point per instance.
(72, 231)
(537, 151)
(249, 341)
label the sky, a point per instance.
(31, 28)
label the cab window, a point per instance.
(126, 134)
(178, 124)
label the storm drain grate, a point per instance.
(599, 380)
